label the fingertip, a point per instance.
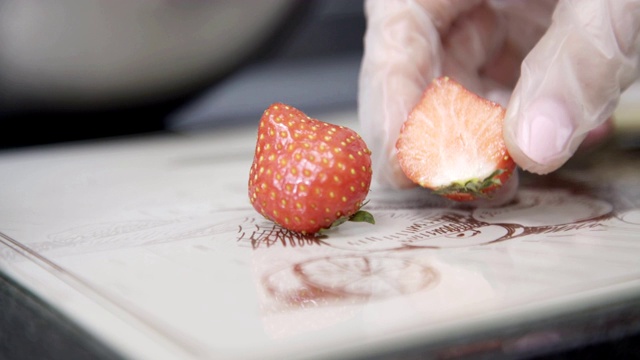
(570, 83)
(542, 137)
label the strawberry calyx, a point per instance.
(358, 216)
(475, 187)
(362, 216)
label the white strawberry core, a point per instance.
(460, 170)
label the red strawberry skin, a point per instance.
(452, 143)
(306, 174)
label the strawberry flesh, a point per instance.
(452, 143)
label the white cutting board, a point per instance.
(152, 245)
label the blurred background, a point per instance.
(86, 69)
(92, 69)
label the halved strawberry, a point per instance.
(308, 175)
(452, 143)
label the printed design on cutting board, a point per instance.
(356, 261)
(631, 217)
(326, 280)
(379, 264)
(534, 212)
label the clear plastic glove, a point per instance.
(558, 66)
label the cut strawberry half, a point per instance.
(452, 143)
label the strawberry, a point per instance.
(308, 175)
(452, 143)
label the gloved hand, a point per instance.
(558, 66)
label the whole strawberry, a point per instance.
(308, 175)
(452, 143)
